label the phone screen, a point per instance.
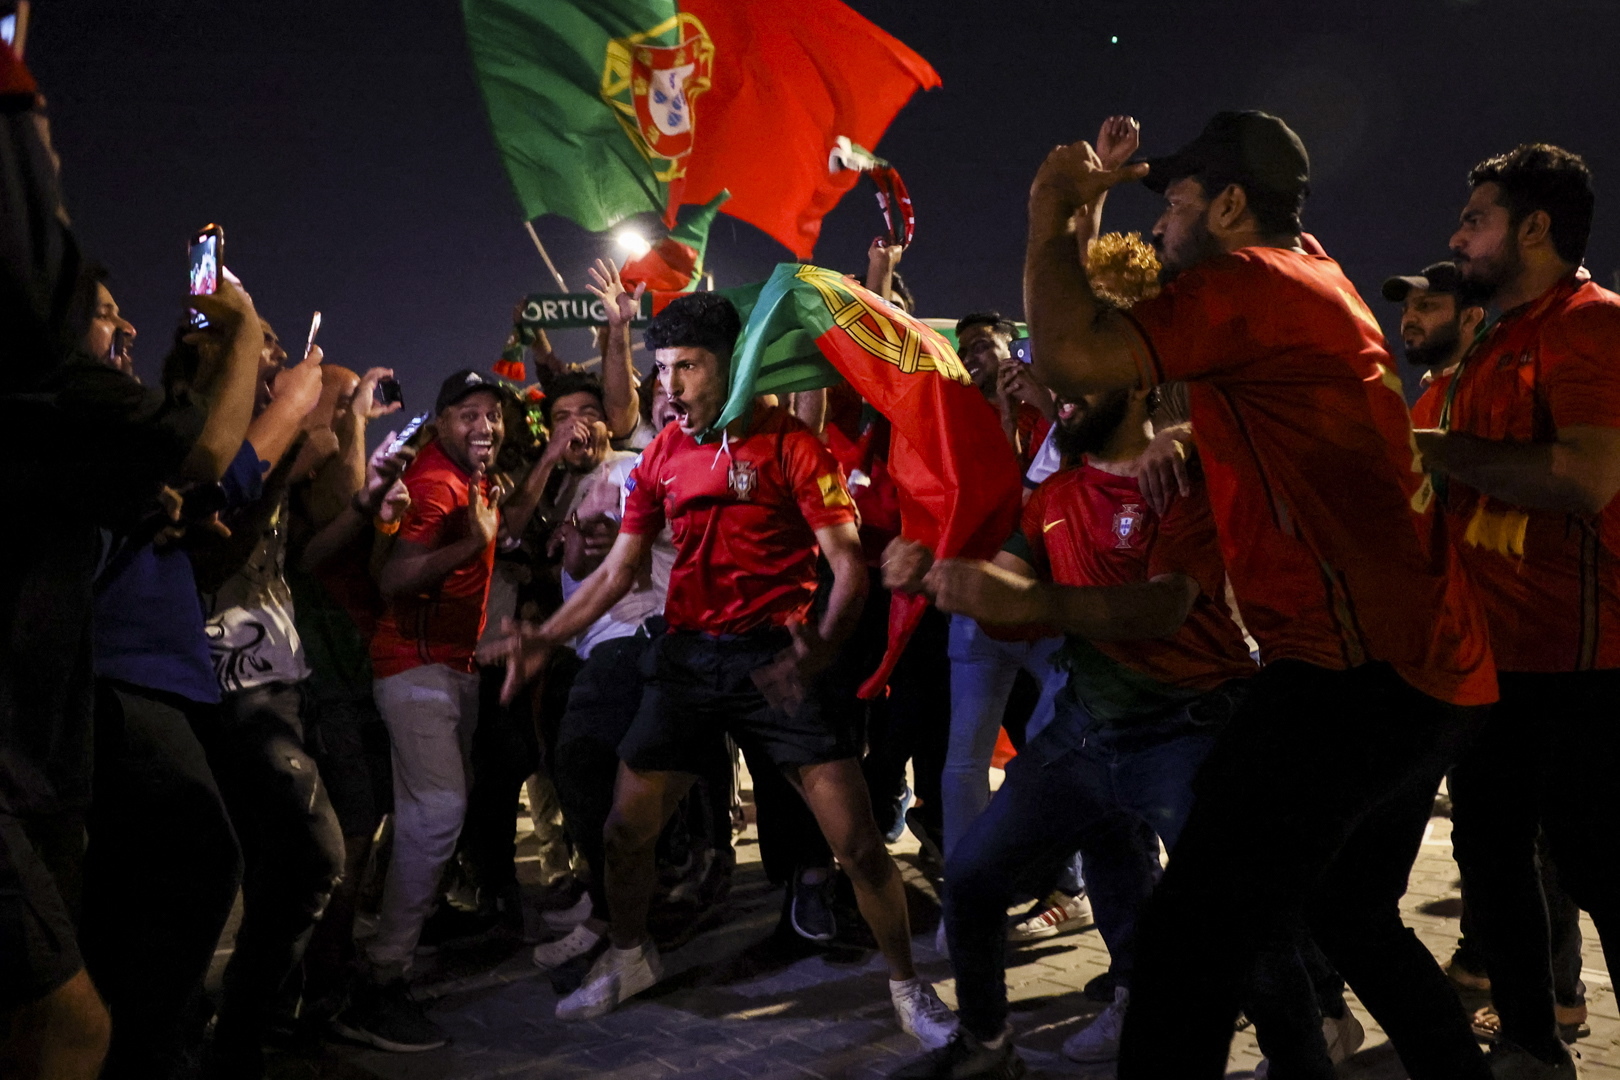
(1021, 351)
(409, 431)
(8, 28)
(205, 265)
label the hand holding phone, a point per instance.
(207, 252)
(314, 328)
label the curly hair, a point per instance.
(1538, 176)
(702, 320)
(1123, 268)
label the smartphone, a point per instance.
(389, 392)
(207, 251)
(314, 328)
(407, 433)
(1021, 351)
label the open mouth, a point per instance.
(680, 411)
(481, 449)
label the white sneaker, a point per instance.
(554, 954)
(1062, 914)
(1344, 1037)
(921, 1014)
(568, 918)
(1099, 1041)
(617, 976)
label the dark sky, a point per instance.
(345, 149)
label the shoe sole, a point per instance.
(360, 1035)
(793, 921)
(1072, 926)
(595, 1012)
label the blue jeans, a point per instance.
(982, 674)
(1076, 785)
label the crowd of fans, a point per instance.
(1249, 622)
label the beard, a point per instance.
(1436, 351)
(1494, 272)
(1198, 246)
(1091, 429)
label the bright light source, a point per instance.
(632, 243)
(1114, 40)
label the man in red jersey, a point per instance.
(1531, 455)
(1313, 803)
(1440, 314)
(435, 582)
(749, 512)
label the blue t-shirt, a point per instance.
(149, 618)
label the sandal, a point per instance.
(1487, 1024)
(1572, 1025)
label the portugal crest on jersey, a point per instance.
(1127, 522)
(650, 80)
(742, 480)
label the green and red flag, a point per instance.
(675, 261)
(614, 107)
(958, 479)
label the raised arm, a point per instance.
(618, 372)
(294, 393)
(234, 325)
(1081, 345)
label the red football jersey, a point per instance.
(1426, 412)
(442, 625)
(743, 513)
(1336, 554)
(1550, 579)
(1085, 526)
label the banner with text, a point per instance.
(567, 311)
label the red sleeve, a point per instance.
(433, 501)
(1426, 413)
(816, 481)
(1195, 328)
(643, 492)
(1186, 544)
(1582, 368)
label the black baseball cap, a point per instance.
(467, 381)
(1440, 277)
(1250, 148)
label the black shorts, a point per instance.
(699, 690)
(39, 950)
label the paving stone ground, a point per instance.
(739, 1001)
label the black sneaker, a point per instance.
(1509, 1062)
(451, 923)
(965, 1058)
(812, 914)
(387, 1017)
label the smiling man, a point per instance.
(1327, 527)
(749, 511)
(436, 582)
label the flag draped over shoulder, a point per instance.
(957, 477)
(541, 65)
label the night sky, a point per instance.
(345, 148)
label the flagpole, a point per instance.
(561, 284)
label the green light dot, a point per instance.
(1114, 40)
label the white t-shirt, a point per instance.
(251, 634)
(1047, 460)
(646, 597)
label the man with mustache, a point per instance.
(1440, 314)
(1531, 449)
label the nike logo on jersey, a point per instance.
(1048, 526)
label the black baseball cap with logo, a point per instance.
(466, 382)
(1440, 277)
(1250, 148)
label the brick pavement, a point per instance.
(740, 1002)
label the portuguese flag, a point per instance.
(606, 108)
(676, 261)
(958, 479)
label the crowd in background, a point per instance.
(250, 660)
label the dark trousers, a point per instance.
(160, 876)
(603, 701)
(505, 752)
(1563, 926)
(292, 849)
(1310, 810)
(1544, 766)
(1067, 790)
